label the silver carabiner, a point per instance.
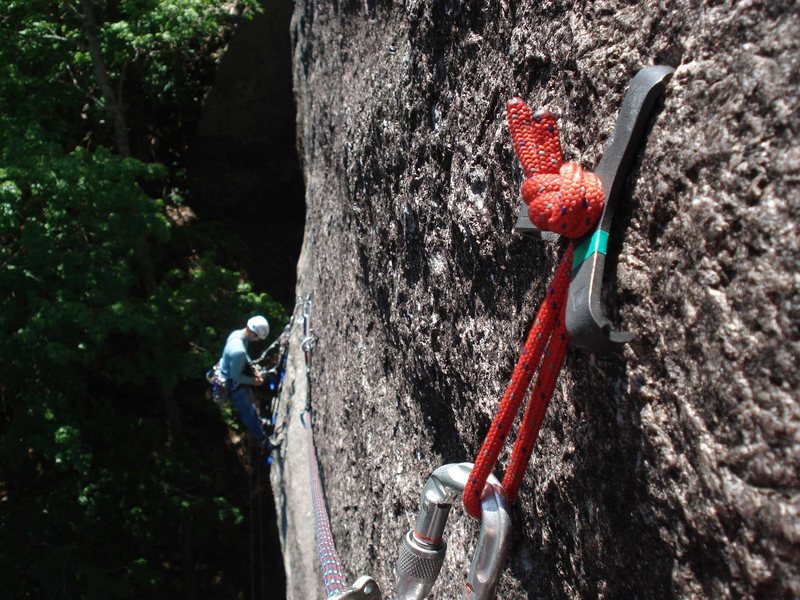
(423, 549)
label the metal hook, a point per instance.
(586, 321)
(422, 551)
(309, 336)
(364, 588)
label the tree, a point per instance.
(104, 315)
(93, 334)
(139, 66)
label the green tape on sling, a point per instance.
(597, 243)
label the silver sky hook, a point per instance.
(587, 323)
(423, 549)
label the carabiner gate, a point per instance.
(423, 549)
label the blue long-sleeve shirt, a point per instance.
(234, 359)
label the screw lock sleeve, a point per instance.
(418, 566)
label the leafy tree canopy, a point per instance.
(106, 312)
(156, 54)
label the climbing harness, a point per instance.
(586, 322)
(216, 380)
(365, 587)
(561, 199)
(268, 400)
(423, 549)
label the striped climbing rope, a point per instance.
(332, 574)
(564, 199)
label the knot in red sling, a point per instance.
(564, 199)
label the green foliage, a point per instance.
(81, 245)
(159, 54)
(104, 318)
(93, 334)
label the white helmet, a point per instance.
(259, 325)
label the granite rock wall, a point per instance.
(668, 470)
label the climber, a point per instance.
(238, 384)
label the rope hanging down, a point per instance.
(333, 577)
(276, 375)
(566, 200)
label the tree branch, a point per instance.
(59, 38)
(78, 87)
(73, 8)
(112, 105)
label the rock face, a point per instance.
(669, 470)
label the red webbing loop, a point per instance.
(567, 200)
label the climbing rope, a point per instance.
(364, 588)
(261, 539)
(332, 575)
(263, 355)
(279, 370)
(276, 374)
(564, 199)
(250, 453)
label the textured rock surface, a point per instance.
(668, 471)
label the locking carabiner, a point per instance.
(423, 549)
